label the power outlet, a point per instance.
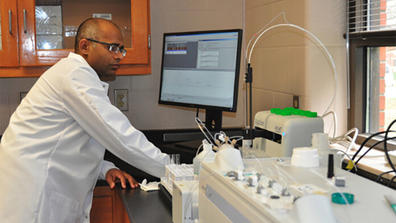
(296, 101)
(121, 99)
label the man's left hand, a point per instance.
(115, 175)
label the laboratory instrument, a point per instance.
(269, 189)
(283, 132)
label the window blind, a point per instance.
(371, 15)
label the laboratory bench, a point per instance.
(135, 205)
(142, 206)
(129, 205)
(186, 142)
(175, 141)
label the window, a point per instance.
(372, 53)
(381, 88)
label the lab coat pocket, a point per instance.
(60, 208)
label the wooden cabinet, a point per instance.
(107, 207)
(8, 34)
(22, 55)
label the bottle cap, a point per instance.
(293, 111)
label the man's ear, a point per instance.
(83, 46)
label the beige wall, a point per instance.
(285, 61)
(278, 57)
(10, 89)
(329, 26)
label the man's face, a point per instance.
(103, 61)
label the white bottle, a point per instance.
(206, 155)
(320, 141)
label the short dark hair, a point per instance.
(89, 28)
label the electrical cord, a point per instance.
(380, 176)
(391, 181)
(386, 146)
(349, 157)
(365, 141)
(379, 142)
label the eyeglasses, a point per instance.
(112, 47)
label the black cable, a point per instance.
(365, 141)
(380, 176)
(246, 105)
(391, 181)
(357, 161)
(386, 146)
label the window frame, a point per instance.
(358, 44)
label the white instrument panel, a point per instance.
(238, 197)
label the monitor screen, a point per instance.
(201, 69)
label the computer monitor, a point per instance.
(201, 70)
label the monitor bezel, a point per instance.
(236, 77)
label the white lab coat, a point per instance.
(51, 154)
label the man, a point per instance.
(51, 154)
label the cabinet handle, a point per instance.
(10, 21)
(149, 41)
(24, 21)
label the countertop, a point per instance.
(144, 206)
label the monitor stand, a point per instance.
(213, 119)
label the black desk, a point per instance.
(145, 207)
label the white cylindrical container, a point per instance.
(314, 209)
(206, 155)
(320, 141)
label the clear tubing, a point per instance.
(246, 64)
(349, 157)
(255, 36)
(352, 144)
(334, 120)
(202, 127)
(347, 58)
(316, 39)
(348, 138)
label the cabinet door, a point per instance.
(102, 205)
(8, 34)
(107, 206)
(44, 43)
